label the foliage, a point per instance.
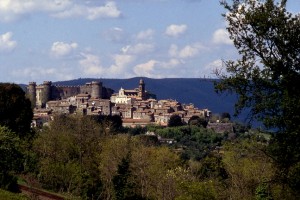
(186, 187)
(212, 167)
(197, 190)
(137, 130)
(262, 193)
(175, 120)
(225, 117)
(197, 141)
(109, 124)
(76, 156)
(120, 181)
(5, 195)
(248, 167)
(198, 121)
(114, 149)
(149, 168)
(67, 151)
(266, 76)
(11, 159)
(15, 109)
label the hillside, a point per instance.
(198, 91)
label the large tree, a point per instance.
(15, 109)
(266, 76)
(11, 159)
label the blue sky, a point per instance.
(69, 39)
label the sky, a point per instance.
(56, 40)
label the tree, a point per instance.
(15, 109)
(121, 180)
(110, 124)
(266, 77)
(11, 159)
(67, 152)
(114, 150)
(198, 121)
(149, 168)
(248, 168)
(225, 117)
(175, 120)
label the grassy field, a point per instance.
(5, 195)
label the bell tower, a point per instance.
(142, 93)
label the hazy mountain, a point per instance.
(198, 91)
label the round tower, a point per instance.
(31, 92)
(96, 89)
(46, 92)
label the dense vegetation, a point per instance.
(6, 195)
(89, 158)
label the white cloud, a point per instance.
(120, 63)
(175, 30)
(189, 51)
(91, 65)
(115, 34)
(186, 52)
(139, 48)
(109, 10)
(173, 62)
(60, 49)
(42, 73)
(158, 69)
(6, 42)
(11, 10)
(145, 35)
(173, 50)
(145, 69)
(221, 36)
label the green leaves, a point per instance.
(266, 77)
(267, 39)
(11, 159)
(15, 109)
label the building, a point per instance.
(129, 96)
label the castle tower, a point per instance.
(31, 92)
(96, 89)
(142, 89)
(46, 96)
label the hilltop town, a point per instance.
(135, 106)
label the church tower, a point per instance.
(142, 93)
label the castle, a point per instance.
(41, 94)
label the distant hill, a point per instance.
(198, 91)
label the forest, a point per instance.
(85, 157)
